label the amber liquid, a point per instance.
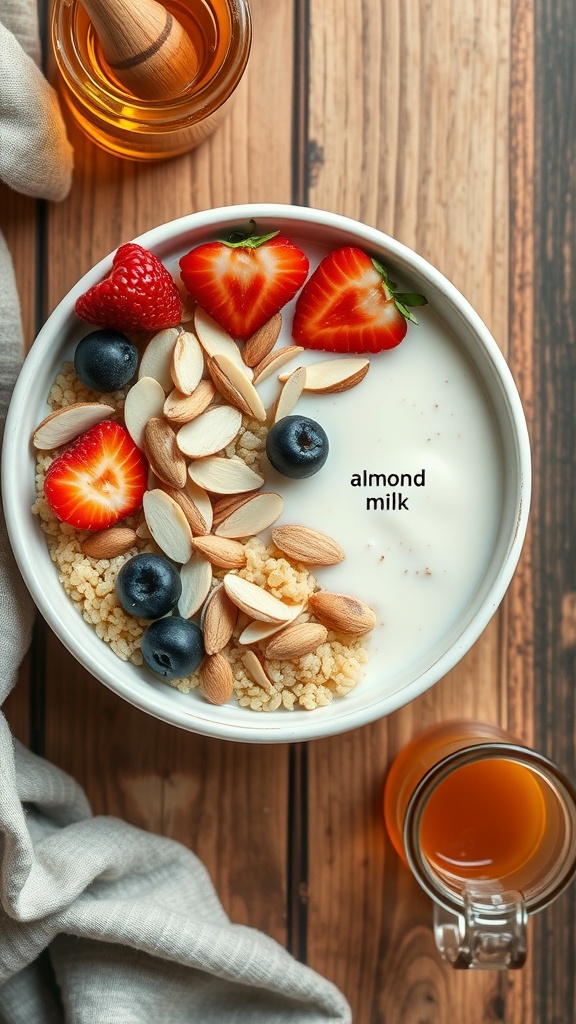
(485, 821)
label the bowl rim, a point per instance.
(297, 727)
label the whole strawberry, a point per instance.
(137, 295)
(349, 304)
(244, 281)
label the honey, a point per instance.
(484, 821)
(137, 129)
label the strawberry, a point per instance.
(350, 304)
(98, 480)
(137, 295)
(244, 281)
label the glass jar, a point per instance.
(138, 129)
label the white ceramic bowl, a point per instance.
(441, 412)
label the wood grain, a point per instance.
(554, 509)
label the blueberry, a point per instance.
(173, 647)
(105, 360)
(148, 586)
(297, 446)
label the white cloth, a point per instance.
(100, 922)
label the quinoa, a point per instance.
(309, 682)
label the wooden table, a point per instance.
(450, 126)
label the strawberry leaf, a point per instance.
(246, 239)
(401, 299)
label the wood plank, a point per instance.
(18, 224)
(555, 494)
(226, 801)
(424, 92)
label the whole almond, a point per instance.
(162, 451)
(307, 545)
(218, 622)
(66, 423)
(262, 341)
(296, 641)
(222, 552)
(180, 408)
(216, 679)
(342, 613)
(116, 540)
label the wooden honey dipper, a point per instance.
(147, 50)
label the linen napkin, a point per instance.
(100, 922)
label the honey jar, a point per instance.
(138, 129)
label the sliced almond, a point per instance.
(168, 525)
(187, 364)
(220, 551)
(296, 641)
(65, 424)
(226, 504)
(342, 613)
(252, 516)
(291, 390)
(156, 360)
(254, 600)
(235, 387)
(144, 401)
(307, 545)
(219, 619)
(196, 579)
(180, 408)
(256, 631)
(216, 341)
(196, 520)
(332, 376)
(162, 451)
(257, 347)
(224, 476)
(202, 502)
(216, 679)
(274, 361)
(210, 432)
(116, 540)
(254, 667)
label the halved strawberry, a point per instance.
(244, 281)
(351, 305)
(98, 480)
